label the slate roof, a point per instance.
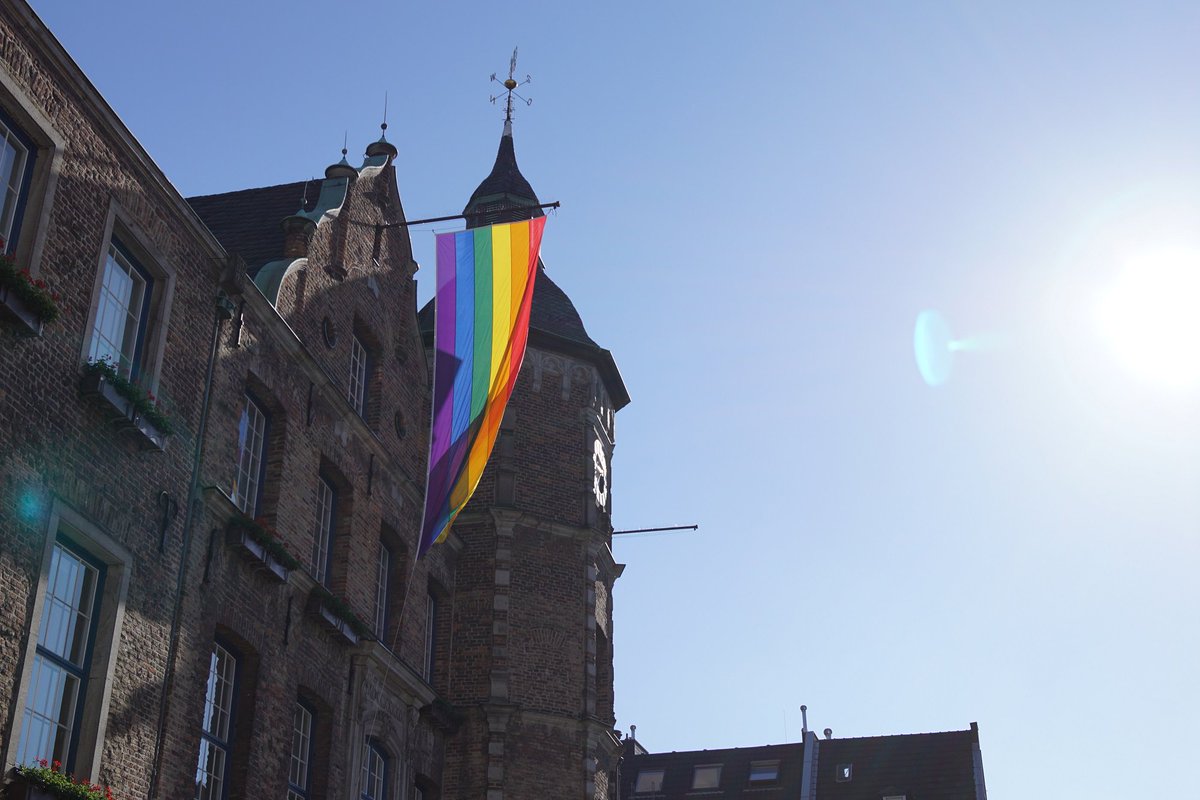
(247, 222)
(919, 766)
(504, 184)
(678, 769)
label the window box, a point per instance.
(105, 395)
(333, 613)
(258, 545)
(46, 783)
(152, 438)
(130, 407)
(26, 301)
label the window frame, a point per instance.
(383, 591)
(772, 763)
(260, 480)
(696, 771)
(372, 746)
(296, 792)
(115, 252)
(25, 185)
(431, 619)
(81, 672)
(358, 389)
(638, 787)
(226, 745)
(65, 522)
(326, 529)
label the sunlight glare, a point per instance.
(1150, 316)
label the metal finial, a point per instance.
(304, 195)
(345, 140)
(510, 86)
(383, 126)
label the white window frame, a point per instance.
(358, 375)
(382, 580)
(251, 457)
(121, 228)
(216, 726)
(63, 522)
(121, 321)
(323, 536)
(66, 634)
(763, 766)
(374, 771)
(300, 765)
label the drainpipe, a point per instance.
(224, 311)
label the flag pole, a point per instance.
(411, 223)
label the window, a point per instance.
(323, 540)
(62, 660)
(764, 771)
(299, 767)
(122, 311)
(374, 774)
(430, 635)
(212, 768)
(844, 772)
(251, 461)
(16, 169)
(381, 591)
(707, 776)
(649, 780)
(358, 376)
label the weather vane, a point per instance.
(510, 85)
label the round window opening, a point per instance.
(328, 332)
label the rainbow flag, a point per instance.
(485, 282)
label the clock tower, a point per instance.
(528, 661)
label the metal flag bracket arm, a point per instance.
(429, 220)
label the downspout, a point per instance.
(224, 311)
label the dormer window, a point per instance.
(707, 776)
(648, 780)
(763, 772)
(844, 772)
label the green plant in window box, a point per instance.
(46, 779)
(141, 400)
(260, 532)
(33, 293)
(341, 609)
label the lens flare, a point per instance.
(934, 348)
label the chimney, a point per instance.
(297, 232)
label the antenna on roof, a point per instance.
(803, 721)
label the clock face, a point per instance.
(599, 474)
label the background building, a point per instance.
(920, 766)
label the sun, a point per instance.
(1150, 316)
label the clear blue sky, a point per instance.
(758, 199)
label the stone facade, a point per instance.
(269, 540)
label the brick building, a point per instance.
(215, 594)
(921, 766)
